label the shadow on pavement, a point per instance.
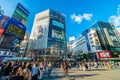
(72, 77)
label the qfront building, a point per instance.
(48, 36)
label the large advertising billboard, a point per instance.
(104, 54)
(21, 14)
(39, 31)
(57, 34)
(15, 28)
(10, 42)
(58, 24)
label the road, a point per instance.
(57, 74)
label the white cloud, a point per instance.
(71, 38)
(76, 18)
(87, 16)
(115, 19)
(79, 18)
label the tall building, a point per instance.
(13, 30)
(79, 46)
(94, 40)
(48, 34)
(101, 39)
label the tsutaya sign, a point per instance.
(104, 54)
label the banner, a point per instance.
(104, 54)
(1, 31)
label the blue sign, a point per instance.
(17, 23)
(23, 9)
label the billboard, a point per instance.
(21, 14)
(58, 24)
(104, 54)
(10, 42)
(57, 34)
(3, 21)
(1, 31)
(15, 28)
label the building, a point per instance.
(101, 38)
(13, 30)
(107, 36)
(94, 40)
(48, 36)
(24, 45)
(79, 46)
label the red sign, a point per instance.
(1, 31)
(104, 54)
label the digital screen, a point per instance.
(59, 24)
(20, 16)
(15, 30)
(57, 34)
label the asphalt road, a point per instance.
(57, 74)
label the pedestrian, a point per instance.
(49, 69)
(27, 73)
(41, 69)
(6, 71)
(65, 68)
(34, 72)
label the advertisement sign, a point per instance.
(15, 28)
(38, 31)
(21, 14)
(7, 53)
(1, 31)
(58, 24)
(104, 54)
(57, 34)
(3, 21)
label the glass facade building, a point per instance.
(107, 36)
(49, 33)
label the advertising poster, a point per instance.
(104, 54)
(1, 31)
(57, 34)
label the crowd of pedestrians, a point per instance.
(94, 65)
(31, 70)
(21, 70)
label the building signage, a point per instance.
(1, 31)
(104, 54)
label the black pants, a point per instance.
(35, 77)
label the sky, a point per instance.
(79, 14)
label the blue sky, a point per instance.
(80, 14)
